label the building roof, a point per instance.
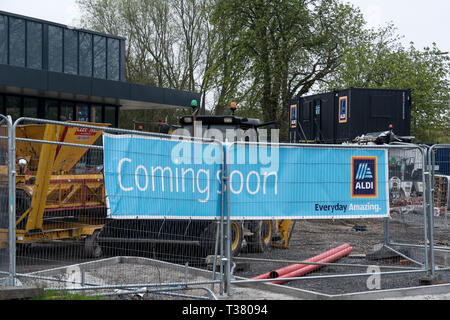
(55, 85)
(42, 81)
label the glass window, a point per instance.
(51, 110)
(17, 42)
(13, 107)
(113, 59)
(96, 113)
(34, 45)
(67, 111)
(100, 57)
(3, 39)
(70, 51)
(30, 107)
(83, 112)
(55, 49)
(85, 54)
(110, 115)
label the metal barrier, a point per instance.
(439, 207)
(62, 224)
(393, 246)
(64, 233)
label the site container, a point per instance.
(342, 115)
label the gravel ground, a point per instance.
(309, 238)
(314, 237)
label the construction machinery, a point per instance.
(254, 236)
(58, 198)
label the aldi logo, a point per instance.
(343, 109)
(364, 177)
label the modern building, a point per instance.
(52, 71)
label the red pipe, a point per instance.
(292, 268)
(302, 271)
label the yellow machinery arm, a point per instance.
(285, 231)
(45, 167)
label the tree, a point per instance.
(167, 42)
(379, 60)
(288, 46)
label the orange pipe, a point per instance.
(294, 267)
(309, 268)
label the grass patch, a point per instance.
(64, 295)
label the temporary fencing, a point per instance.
(128, 212)
(439, 207)
(373, 197)
(63, 220)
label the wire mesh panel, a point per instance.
(60, 205)
(162, 200)
(440, 156)
(406, 193)
(70, 210)
(337, 211)
(4, 200)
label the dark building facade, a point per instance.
(56, 72)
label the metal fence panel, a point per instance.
(440, 206)
(393, 243)
(67, 240)
(62, 221)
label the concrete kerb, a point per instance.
(20, 293)
(431, 290)
(256, 290)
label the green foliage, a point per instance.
(167, 45)
(379, 61)
(262, 53)
(64, 295)
(282, 48)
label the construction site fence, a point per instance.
(78, 247)
(73, 244)
(400, 244)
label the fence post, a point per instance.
(432, 165)
(425, 203)
(12, 200)
(227, 234)
(429, 212)
(220, 226)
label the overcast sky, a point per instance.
(422, 22)
(419, 21)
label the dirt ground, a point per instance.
(311, 238)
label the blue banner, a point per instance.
(309, 183)
(157, 178)
(163, 178)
